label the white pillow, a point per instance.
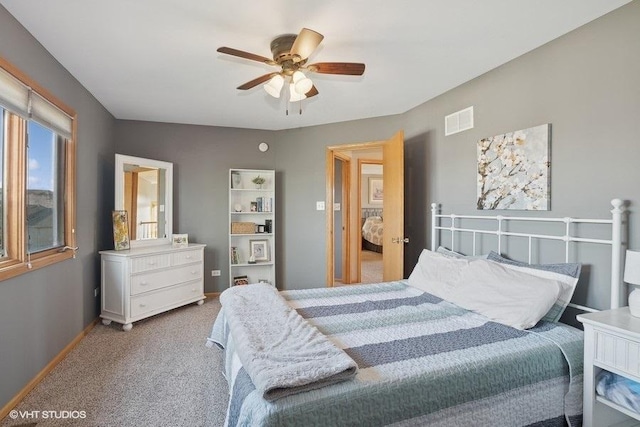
(436, 273)
(504, 295)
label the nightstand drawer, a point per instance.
(616, 352)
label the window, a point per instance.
(37, 175)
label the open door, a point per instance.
(393, 206)
(393, 239)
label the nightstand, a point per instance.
(612, 343)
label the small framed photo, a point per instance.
(120, 230)
(259, 249)
(375, 191)
(254, 207)
(180, 240)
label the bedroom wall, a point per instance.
(42, 311)
(586, 85)
(202, 157)
(583, 83)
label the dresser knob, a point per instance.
(143, 283)
(143, 305)
(188, 257)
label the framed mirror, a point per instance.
(144, 188)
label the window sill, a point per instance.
(13, 269)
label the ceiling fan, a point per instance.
(290, 53)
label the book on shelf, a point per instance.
(235, 259)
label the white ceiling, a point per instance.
(156, 60)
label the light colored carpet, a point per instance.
(371, 267)
(158, 374)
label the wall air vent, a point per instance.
(458, 121)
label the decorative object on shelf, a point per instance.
(237, 207)
(375, 191)
(632, 277)
(259, 249)
(235, 258)
(236, 180)
(264, 281)
(240, 280)
(260, 228)
(252, 259)
(258, 181)
(243, 228)
(254, 207)
(513, 170)
(180, 240)
(120, 230)
(268, 226)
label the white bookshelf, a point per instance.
(243, 193)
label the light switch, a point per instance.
(336, 206)
(319, 206)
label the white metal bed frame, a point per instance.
(616, 241)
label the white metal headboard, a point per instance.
(616, 243)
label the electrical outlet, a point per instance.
(96, 291)
(319, 206)
(215, 272)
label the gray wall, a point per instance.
(201, 157)
(42, 311)
(585, 84)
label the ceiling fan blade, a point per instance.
(246, 55)
(306, 42)
(256, 82)
(348, 68)
(312, 92)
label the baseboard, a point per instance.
(212, 294)
(52, 364)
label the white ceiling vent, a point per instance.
(458, 121)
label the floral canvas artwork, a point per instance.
(120, 230)
(513, 170)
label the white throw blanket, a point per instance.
(282, 353)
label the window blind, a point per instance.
(22, 100)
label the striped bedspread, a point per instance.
(422, 361)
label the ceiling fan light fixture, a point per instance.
(274, 86)
(294, 95)
(302, 84)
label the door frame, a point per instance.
(331, 153)
(345, 211)
(359, 252)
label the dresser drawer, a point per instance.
(150, 262)
(617, 352)
(159, 279)
(155, 301)
(186, 257)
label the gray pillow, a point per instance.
(570, 271)
(451, 254)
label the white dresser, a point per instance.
(141, 282)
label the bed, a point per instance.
(372, 229)
(420, 359)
